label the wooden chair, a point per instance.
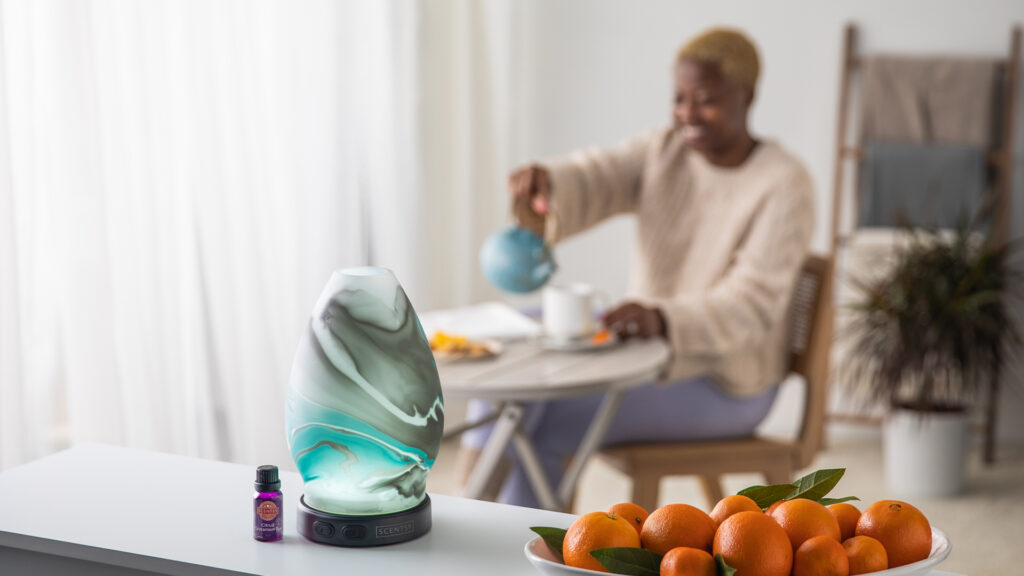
(810, 337)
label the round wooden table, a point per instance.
(526, 372)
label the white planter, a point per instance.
(925, 454)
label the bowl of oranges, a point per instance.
(781, 530)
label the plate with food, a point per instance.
(599, 340)
(450, 347)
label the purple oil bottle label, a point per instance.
(269, 524)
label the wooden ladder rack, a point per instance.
(1000, 159)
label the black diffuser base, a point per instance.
(358, 531)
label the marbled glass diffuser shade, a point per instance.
(365, 413)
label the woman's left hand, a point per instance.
(632, 320)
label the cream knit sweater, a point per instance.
(717, 249)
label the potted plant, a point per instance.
(926, 338)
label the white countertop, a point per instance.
(176, 515)
(179, 515)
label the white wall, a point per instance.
(601, 73)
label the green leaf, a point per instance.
(765, 496)
(553, 537)
(816, 485)
(629, 561)
(723, 568)
(831, 501)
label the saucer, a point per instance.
(580, 344)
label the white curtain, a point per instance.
(178, 179)
(473, 70)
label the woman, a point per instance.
(724, 222)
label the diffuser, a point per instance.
(365, 414)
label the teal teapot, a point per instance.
(516, 260)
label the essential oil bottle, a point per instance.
(268, 526)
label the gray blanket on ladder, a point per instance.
(923, 184)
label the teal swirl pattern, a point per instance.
(365, 412)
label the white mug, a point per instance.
(569, 311)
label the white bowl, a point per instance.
(538, 554)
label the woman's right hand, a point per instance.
(530, 189)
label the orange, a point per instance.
(600, 337)
(593, 531)
(675, 525)
(901, 528)
(803, 519)
(730, 505)
(771, 507)
(754, 544)
(684, 561)
(865, 555)
(846, 515)
(821, 556)
(632, 512)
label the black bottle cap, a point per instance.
(267, 479)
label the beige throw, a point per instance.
(717, 249)
(940, 100)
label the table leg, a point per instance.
(490, 457)
(535, 472)
(467, 426)
(591, 442)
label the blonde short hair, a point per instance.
(730, 49)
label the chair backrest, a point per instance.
(810, 339)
